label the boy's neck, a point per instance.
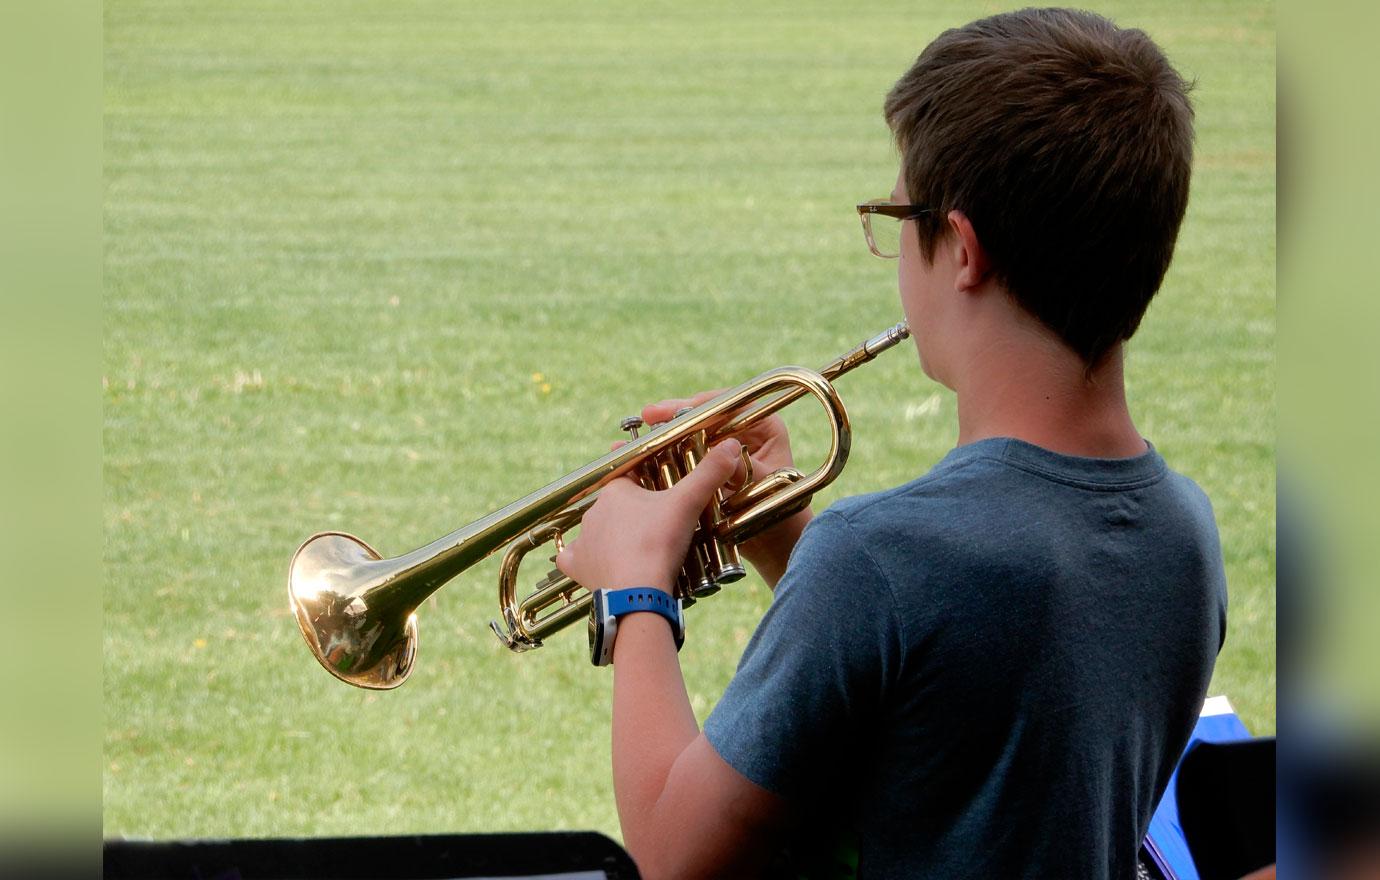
(1037, 390)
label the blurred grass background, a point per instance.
(384, 267)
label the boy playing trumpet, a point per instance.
(991, 670)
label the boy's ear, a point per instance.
(971, 258)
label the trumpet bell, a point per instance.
(334, 585)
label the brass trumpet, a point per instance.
(357, 609)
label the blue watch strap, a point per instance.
(630, 599)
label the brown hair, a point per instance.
(1068, 143)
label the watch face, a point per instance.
(596, 626)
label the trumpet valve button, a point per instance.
(631, 424)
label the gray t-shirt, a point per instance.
(987, 672)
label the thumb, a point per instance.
(710, 474)
(566, 558)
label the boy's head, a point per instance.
(1067, 142)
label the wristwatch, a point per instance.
(609, 605)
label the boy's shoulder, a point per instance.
(965, 477)
(938, 506)
(987, 490)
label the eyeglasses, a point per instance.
(883, 236)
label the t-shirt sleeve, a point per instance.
(816, 669)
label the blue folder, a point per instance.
(1165, 842)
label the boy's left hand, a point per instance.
(632, 537)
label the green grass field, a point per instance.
(384, 267)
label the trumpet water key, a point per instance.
(356, 609)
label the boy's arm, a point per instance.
(684, 811)
(770, 551)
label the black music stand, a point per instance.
(573, 855)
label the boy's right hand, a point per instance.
(769, 447)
